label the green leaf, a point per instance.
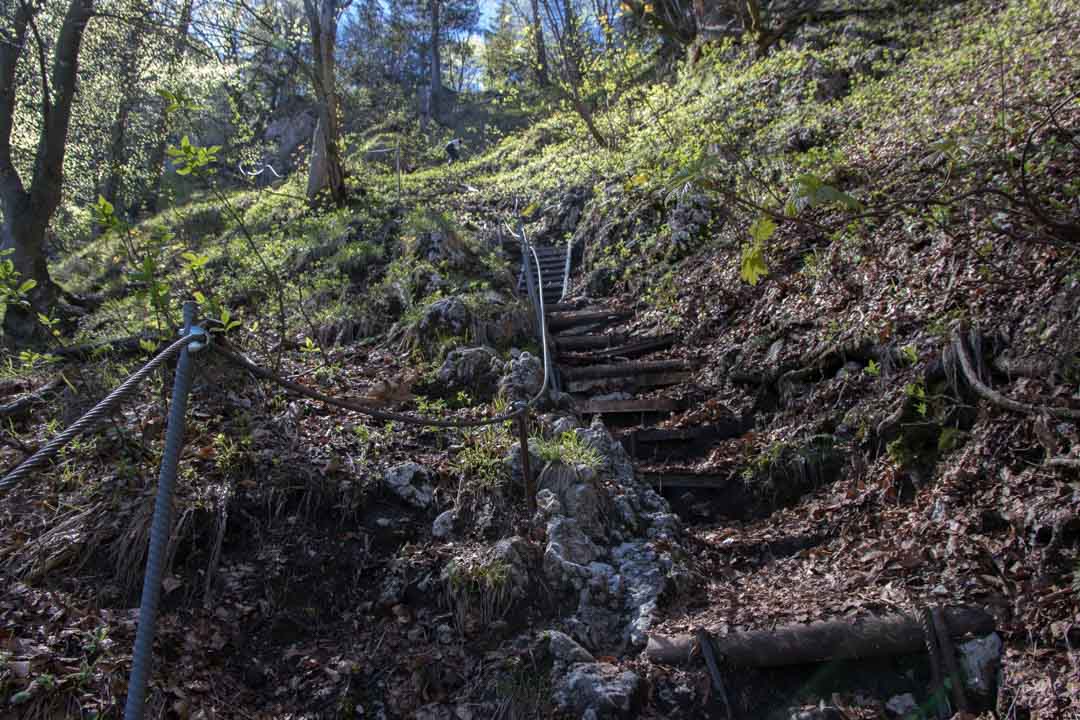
(762, 229)
(27, 286)
(185, 142)
(199, 297)
(147, 345)
(186, 170)
(872, 368)
(753, 267)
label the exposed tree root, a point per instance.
(991, 395)
(24, 403)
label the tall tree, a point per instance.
(157, 156)
(538, 40)
(436, 102)
(28, 209)
(326, 169)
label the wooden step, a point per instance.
(575, 343)
(627, 350)
(682, 479)
(625, 369)
(630, 384)
(570, 319)
(731, 428)
(634, 405)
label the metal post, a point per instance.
(398, 164)
(160, 529)
(526, 469)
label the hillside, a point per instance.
(816, 360)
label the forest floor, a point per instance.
(300, 585)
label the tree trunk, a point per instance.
(322, 22)
(111, 188)
(541, 51)
(436, 63)
(28, 211)
(157, 157)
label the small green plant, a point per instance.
(752, 266)
(478, 590)
(568, 449)
(910, 354)
(873, 369)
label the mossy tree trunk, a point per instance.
(28, 209)
(326, 169)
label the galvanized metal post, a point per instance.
(160, 529)
(526, 465)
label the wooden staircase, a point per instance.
(614, 372)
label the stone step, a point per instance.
(625, 369)
(633, 405)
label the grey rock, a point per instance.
(411, 482)
(448, 316)
(441, 246)
(517, 554)
(523, 377)
(548, 504)
(902, 705)
(564, 424)
(598, 690)
(443, 527)
(568, 553)
(980, 659)
(475, 369)
(565, 650)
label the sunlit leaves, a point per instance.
(810, 191)
(752, 266)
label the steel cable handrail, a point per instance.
(96, 414)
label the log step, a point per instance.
(627, 350)
(637, 382)
(567, 320)
(635, 405)
(675, 479)
(591, 341)
(626, 369)
(724, 430)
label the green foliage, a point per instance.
(873, 369)
(480, 461)
(12, 290)
(190, 158)
(568, 449)
(752, 266)
(810, 191)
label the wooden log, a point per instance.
(648, 405)
(626, 369)
(821, 642)
(566, 320)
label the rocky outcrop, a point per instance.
(523, 378)
(593, 691)
(602, 527)
(476, 370)
(448, 316)
(411, 482)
